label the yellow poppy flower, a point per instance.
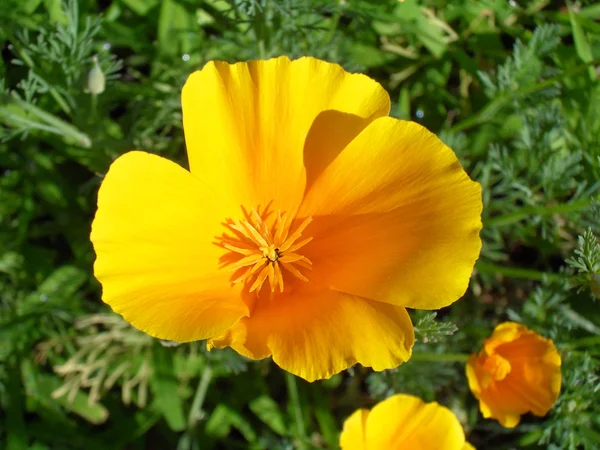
(308, 222)
(518, 371)
(403, 422)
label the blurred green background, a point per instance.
(511, 86)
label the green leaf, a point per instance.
(140, 7)
(242, 425)
(369, 56)
(17, 112)
(427, 329)
(432, 37)
(39, 388)
(16, 438)
(55, 10)
(29, 6)
(268, 411)
(387, 28)
(592, 11)
(326, 420)
(94, 413)
(43, 387)
(407, 10)
(403, 106)
(165, 388)
(582, 46)
(580, 321)
(218, 425)
(11, 262)
(60, 285)
(465, 61)
(223, 418)
(172, 21)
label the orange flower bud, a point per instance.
(518, 371)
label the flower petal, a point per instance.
(153, 235)
(471, 370)
(504, 332)
(316, 334)
(406, 422)
(396, 219)
(353, 435)
(245, 124)
(535, 375)
(329, 134)
(495, 402)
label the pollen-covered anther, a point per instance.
(265, 247)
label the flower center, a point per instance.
(497, 367)
(261, 245)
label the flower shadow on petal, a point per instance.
(329, 134)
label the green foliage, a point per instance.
(586, 263)
(510, 86)
(574, 423)
(427, 329)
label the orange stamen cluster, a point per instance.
(265, 249)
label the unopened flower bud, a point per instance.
(96, 80)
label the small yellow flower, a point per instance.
(518, 371)
(308, 222)
(404, 422)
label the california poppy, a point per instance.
(308, 222)
(518, 371)
(403, 422)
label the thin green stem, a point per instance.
(584, 353)
(93, 105)
(514, 272)
(292, 387)
(261, 49)
(333, 27)
(591, 341)
(442, 357)
(259, 31)
(528, 211)
(47, 121)
(196, 409)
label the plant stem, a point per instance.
(259, 31)
(515, 272)
(526, 212)
(93, 105)
(295, 400)
(196, 409)
(591, 341)
(441, 357)
(48, 121)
